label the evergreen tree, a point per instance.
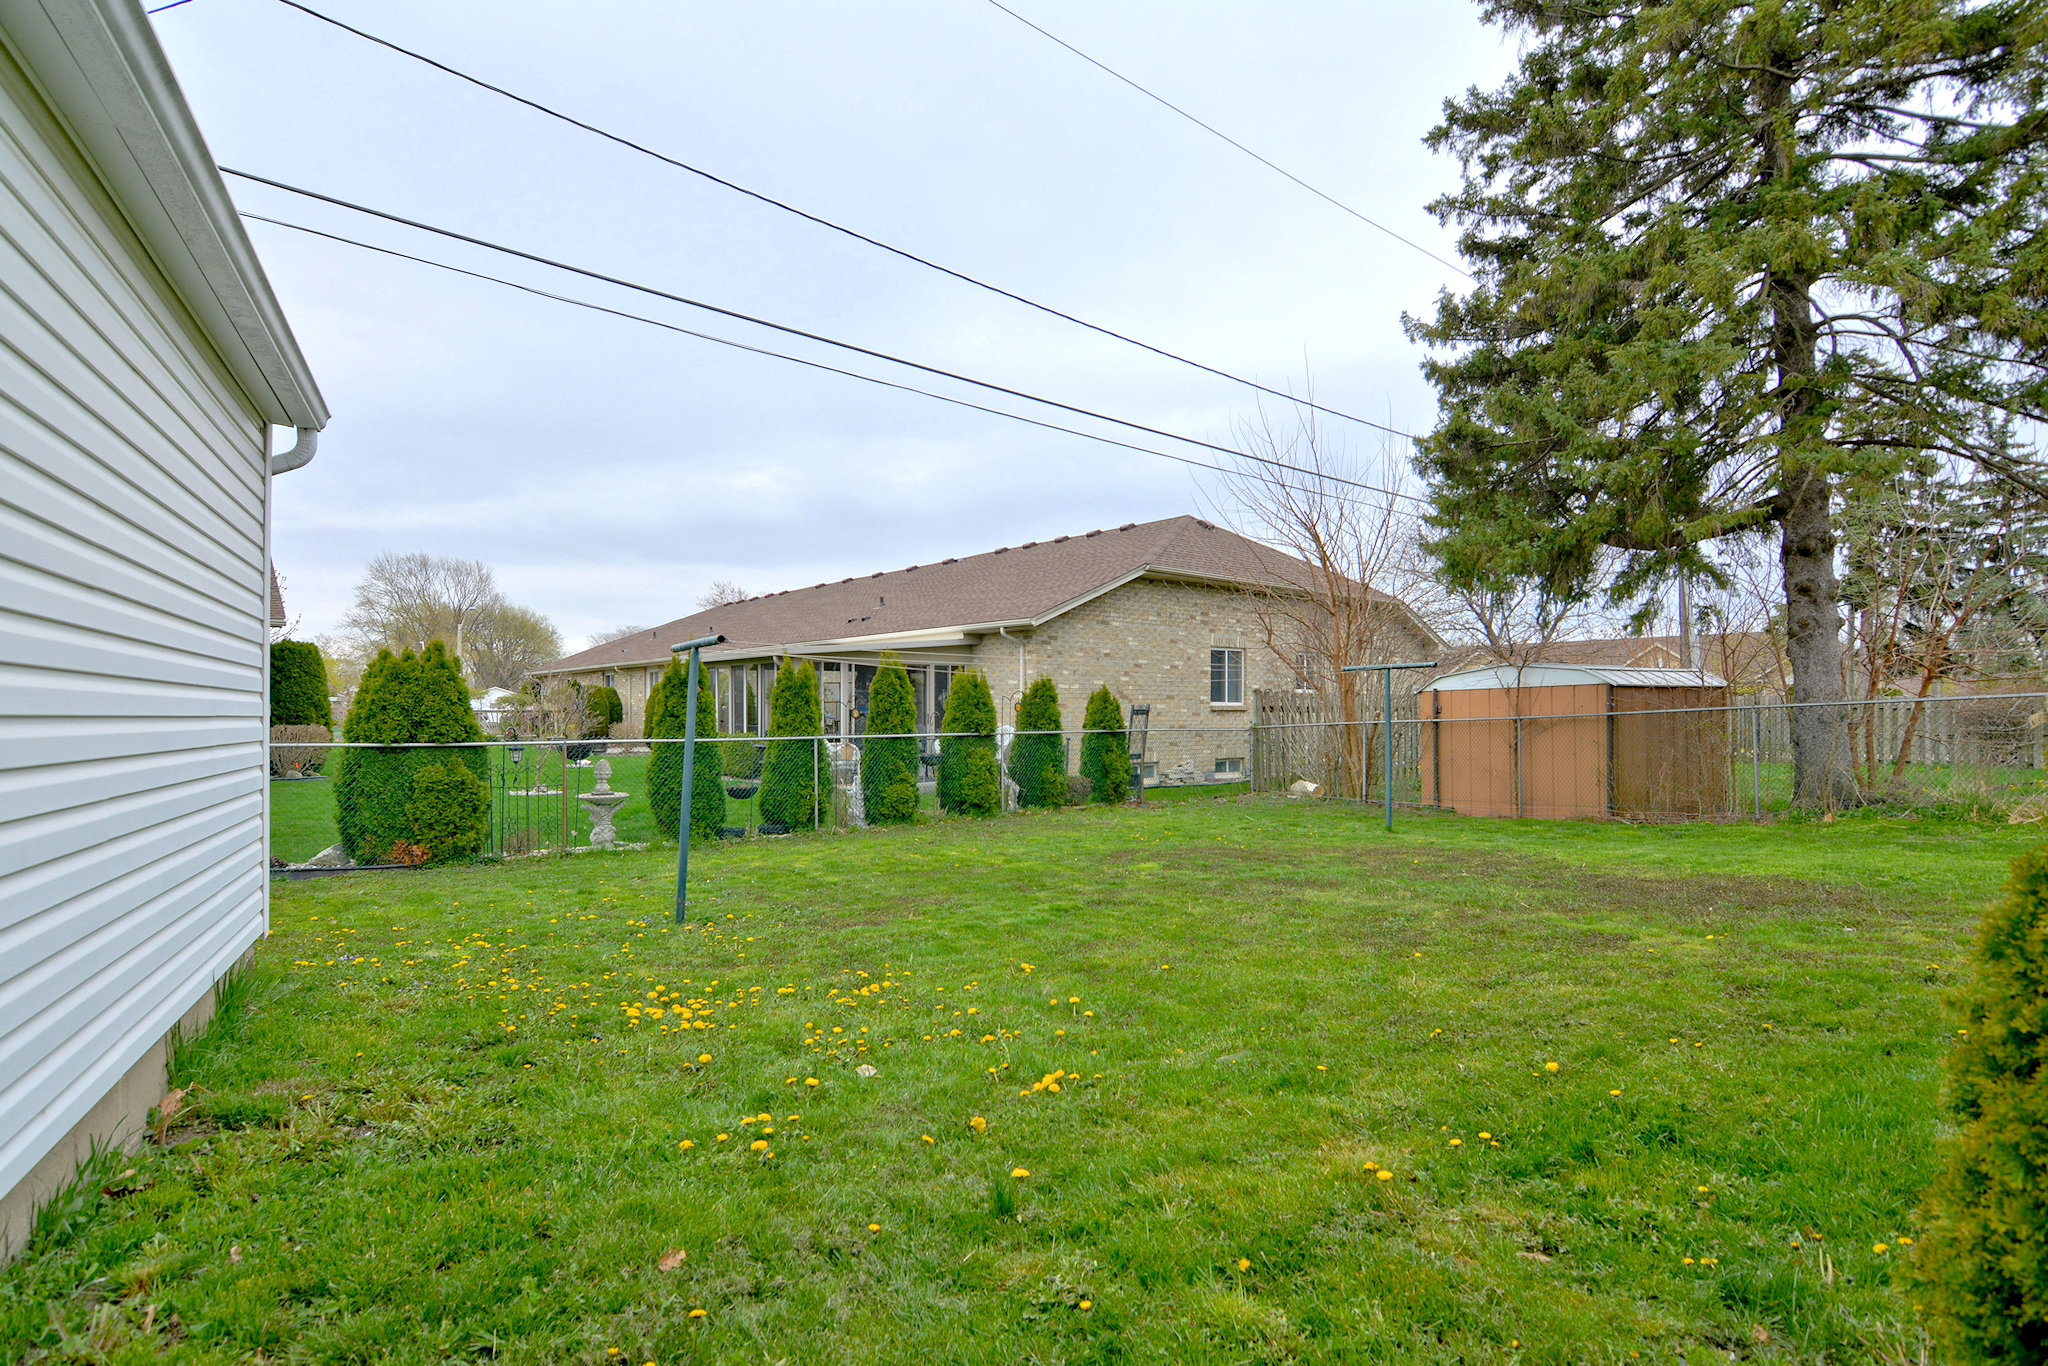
(298, 685)
(1729, 260)
(969, 727)
(605, 709)
(888, 766)
(410, 699)
(668, 714)
(795, 769)
(1982, 1264)
(1105, 751)
(1038, 762)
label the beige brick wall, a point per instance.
(1149, 641)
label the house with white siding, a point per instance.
(144, 364)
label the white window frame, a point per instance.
(1227, 702)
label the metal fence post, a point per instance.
(1756, 756)
(689, 775)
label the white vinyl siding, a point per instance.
(133, 612)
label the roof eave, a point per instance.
(101, 69)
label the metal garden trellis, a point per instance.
(689, 774)
(1387, 672)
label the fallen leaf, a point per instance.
(235, 1255)
(1534, 1256)
(673, 1260)
(174, 1102)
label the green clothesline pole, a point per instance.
(689, 774)
(1387, 672)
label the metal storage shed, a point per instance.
(1567, 741)
(143, 364)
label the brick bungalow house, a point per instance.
(1166, 613)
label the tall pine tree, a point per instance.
(1729, 257)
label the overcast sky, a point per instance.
(609, 471)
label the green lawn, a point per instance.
(428, 1129)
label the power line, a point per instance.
(757, 321)
(811, 364)
(1217, 132)
(173, 5)
(808, 217)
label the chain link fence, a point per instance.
(515, 798)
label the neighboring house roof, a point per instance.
(1743, 655)
(99, 67)
(278, 620)
(932, 605)
(1571, 675)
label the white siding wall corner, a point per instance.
(134, 604)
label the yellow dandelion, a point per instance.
(1457, 1143)
(1019, 1173)
(1614, 1093)
(1550, 1067)
(929, 1139)
(723, 1137)
(759, 1145)
(810, 1081)
(687, 1144)
(978, 1124)
(697, 1313)
(1086, 1305)
(1485, 1137)
(1384, 1174)
(874, 1228)
(1880, 1248)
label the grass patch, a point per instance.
(429, 1129)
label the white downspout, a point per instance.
(299, 455)
(1004, 632)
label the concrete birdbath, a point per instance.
(603, 804)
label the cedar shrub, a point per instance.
(795, 768)
(1982, 1266)
(1038, 762)
(408, 699)
(969, 728)
(1105, 752)
(668, 717)
(603, 709)
(298, 685)
(888, 756)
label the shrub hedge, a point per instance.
(1982, 1263)
(1105, 751)
(888, 757)
(668, 714)
(1038, 762)
(969, 728)
(410, 699)
(298, 685)
(795, 770)
(603, 709)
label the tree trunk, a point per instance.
(1823, 754)
(1823, 767)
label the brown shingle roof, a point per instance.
(278, 620)
(1017, 585)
